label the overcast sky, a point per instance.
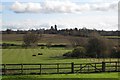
(30, 14)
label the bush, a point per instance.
(68, 54)
(42, 47)
(78, 52)
(115, 52)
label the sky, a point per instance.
(37, 14)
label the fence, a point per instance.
(59, 68)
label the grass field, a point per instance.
(53, 55)
(93, 76)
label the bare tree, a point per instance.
(30, 39)
(97, 46)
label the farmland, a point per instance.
(25, 56)
(49, 55)
(17, 38)
(59, 40)
(53, 55)
(53, 38)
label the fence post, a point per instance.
(40, 69)
(21, 68)
(118, 65)
(80, 67)
(103, 67)
(58, 68)
(88, 68)
(72, 67)
(115, 66)
(4, 69)
(95, 67)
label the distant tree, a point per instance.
(56, 27)
(96, 46)
(51, 28)
(30, 39)
(76, 29)
(8, 31)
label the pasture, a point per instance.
(93, 76)
(53, 55)
(50, 55)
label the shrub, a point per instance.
(68, 54)
(42, 47)
(77, 52)
(115, 52)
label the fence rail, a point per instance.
(59, 68)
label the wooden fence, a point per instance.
(59, 68)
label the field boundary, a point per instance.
(59, 68)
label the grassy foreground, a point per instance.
(92, 76)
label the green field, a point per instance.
(93, 76)
(50, 55)
(53, 55)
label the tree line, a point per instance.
(84, 32)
